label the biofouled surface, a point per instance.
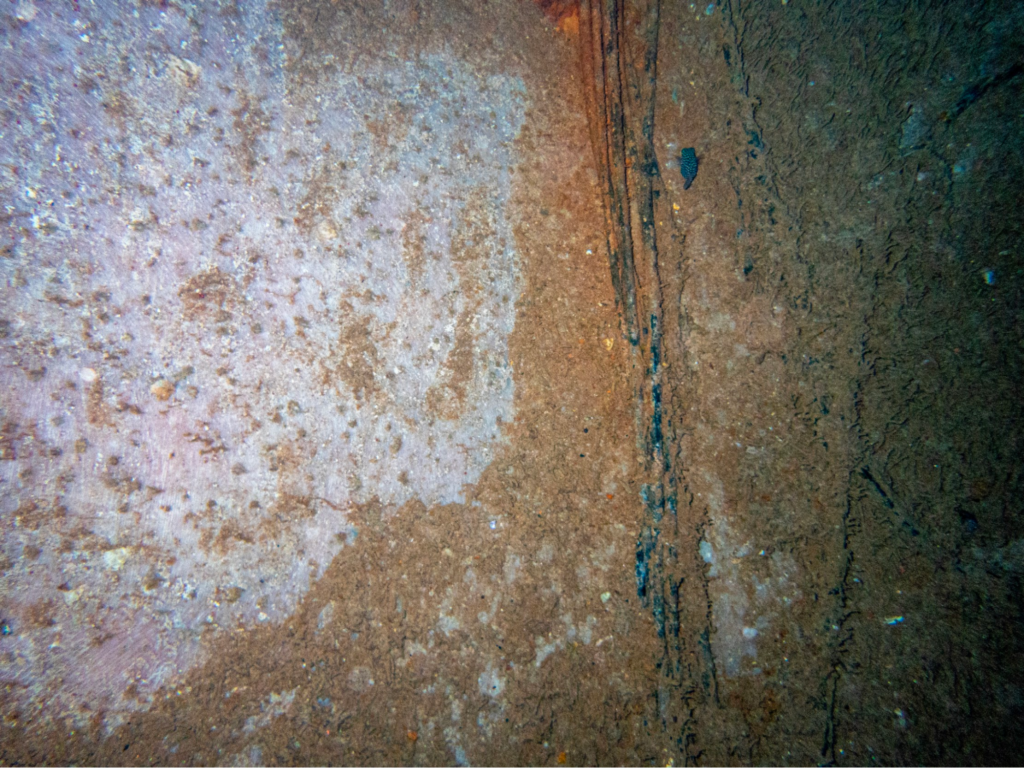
(234, 305)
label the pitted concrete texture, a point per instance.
(235, 305)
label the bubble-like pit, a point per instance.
(235, 304)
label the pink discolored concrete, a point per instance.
(234, 306)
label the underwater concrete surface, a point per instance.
(234, 304)
(353, 410)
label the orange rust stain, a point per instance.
(564, 14)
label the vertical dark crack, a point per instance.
(619, 55)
